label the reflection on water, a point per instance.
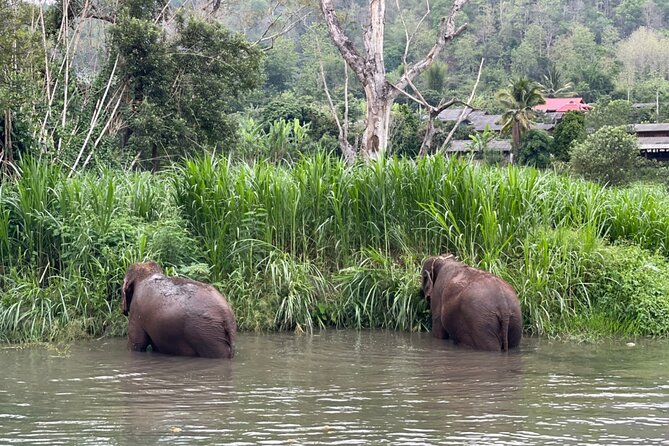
(338, 388)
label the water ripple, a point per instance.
(336, 388)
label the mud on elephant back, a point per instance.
(175, 315)
(470, 306)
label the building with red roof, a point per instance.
(562, 105)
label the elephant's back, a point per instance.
(179, 291)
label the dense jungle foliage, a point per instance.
(140, 82)
(323, 244)
(230, 105)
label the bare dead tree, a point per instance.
(270, 34)
(346, 148)
(370, 69)
(435, 111)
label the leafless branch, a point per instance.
(346, 148)
(408, 37)
(287, 28)
(447, 32)
(105, 128)
(464, 113)
(345, 124)
(94, 118)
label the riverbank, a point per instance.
(320, 244)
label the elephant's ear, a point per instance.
(426, 285)
(427, 278)
(126, 294)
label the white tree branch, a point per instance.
(408, 37)
(341, 40)
(465, 112)
(447, 32)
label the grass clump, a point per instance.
(318, 243)
(65, 244)
(631, 291)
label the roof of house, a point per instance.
(562, 105)
(654, 143)
(660, 127)
(481, 121)
(452, 114)
(463, 145)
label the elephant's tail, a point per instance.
(230, 340)
(505, 332)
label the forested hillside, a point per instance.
(141, 82)
(618, 49)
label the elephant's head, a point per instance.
(135, 273)
(431, 267)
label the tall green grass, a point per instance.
(65, 244)
(320, 243)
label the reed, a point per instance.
(379, 293)
(318, 243)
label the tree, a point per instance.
(178, 88)
(535, 149)
(20, 56)
(609, 155)
(526, 59)
(644, 55)
(610, 113)
(370, 68)
(404, 131)
(518, 101)
(629, 15)
(281, 66)
(552, 85)
(589, 65)
(570, 129)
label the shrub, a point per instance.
(404, 131)
(609, 156)
(570, 129)
(289, 107)
(631, 290)
(614, 113)
(535, 149)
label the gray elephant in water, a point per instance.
(176, 316)
(470, 306)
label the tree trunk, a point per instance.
(154, 158)
(429, 136)
(515, 142)
(8, 155)
(370, 69)
(377, 121)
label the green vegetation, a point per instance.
(609, 155)
(570, 130)
(299, 239)
(518, 101)
(323, 244)
(536, 149)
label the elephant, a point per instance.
(471, 306)
(176, 316)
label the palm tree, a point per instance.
(519, 99)
(552, 86)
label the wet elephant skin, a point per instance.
(471, 306)
(175, 315)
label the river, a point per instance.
(338, 387)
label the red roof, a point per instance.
(563, 105)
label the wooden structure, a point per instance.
(653, 140)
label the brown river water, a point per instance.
(338, 388)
